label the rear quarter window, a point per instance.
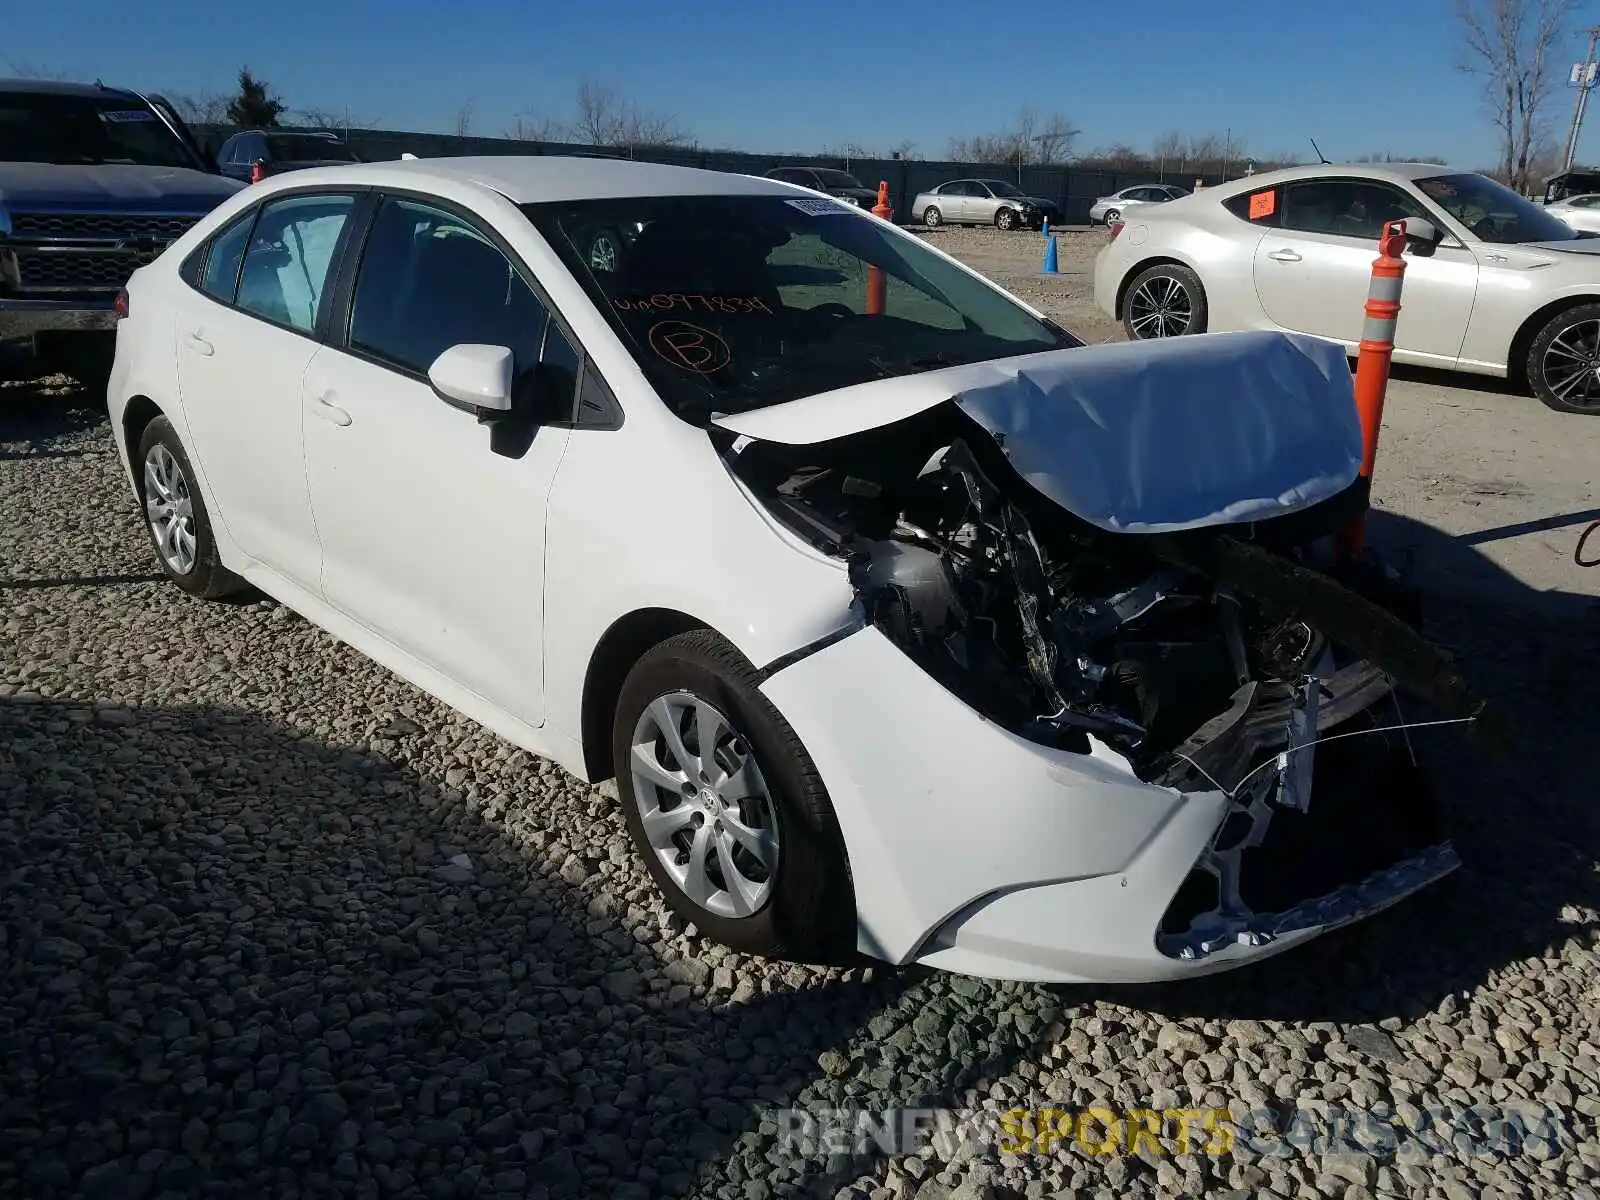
(1262, 207)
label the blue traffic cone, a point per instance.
(1050, 267)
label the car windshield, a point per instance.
(55, 128)
(732, 303)
(302, 147)
(838, 179)
(1001, 188)
(1492, 211)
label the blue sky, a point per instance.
(1359, 76)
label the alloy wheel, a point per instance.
(1572, 365)
(705, 806)
(1160, 307)
(169, 509)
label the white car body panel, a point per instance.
(1462, 307)
(492, 585)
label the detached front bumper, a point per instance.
(25, 318)
(976, 851)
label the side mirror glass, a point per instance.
(475, 377)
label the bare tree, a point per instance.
(1118, 157)
(1512, 45)
(24, 68)
(1171, 152)
(1033, 138)
(464, 120)
(1388, 157)
(330, 119)
(201, 108)
(606, 117)
(525, 127)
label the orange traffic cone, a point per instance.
(256, 173)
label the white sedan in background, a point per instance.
(868, 613)
(1495, 284)
(1580, 212)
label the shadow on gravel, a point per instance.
(1525, 820)
(236, 961)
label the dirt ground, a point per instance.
(1510, 484)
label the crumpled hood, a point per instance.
(1140, 437)
(111, 187)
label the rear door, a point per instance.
(245, 336)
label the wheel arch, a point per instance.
(1522, 340)
(1143, 265)
(624, 642)
(136, 417)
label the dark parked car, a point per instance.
(839, 184)
(279, 150)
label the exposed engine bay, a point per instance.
(1211, 658)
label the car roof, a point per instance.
(52, 87)
(530, 179)
(1391, 172)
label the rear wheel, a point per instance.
(1166, 300)
(176, 517)
(726, 808)
(1564, 361)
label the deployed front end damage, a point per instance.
(1129, 549)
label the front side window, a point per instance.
(1492, 211)
(429, 280)
(66, 129)
(1355, 208)
(291, 248)
(731, 303)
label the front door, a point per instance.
(433, 537)
(244, 340)
(1313, 270)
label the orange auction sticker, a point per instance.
(1263, 204)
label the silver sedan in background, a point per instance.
(1108, 208)
(983, 202)
(1578, 212)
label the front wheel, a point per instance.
(726, 808)
(932, 217)
(1006, 219)
(1166, 300)
(1112, 216)
(176, 517)
(1563, 365)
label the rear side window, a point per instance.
(291, 249)
(221, 276)
(1263, 207)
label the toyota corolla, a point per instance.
(907, 624)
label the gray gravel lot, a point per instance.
(273, 923)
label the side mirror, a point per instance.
(1423, 231)
(475, 378)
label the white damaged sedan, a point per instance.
(907, 625)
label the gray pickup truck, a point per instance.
(94, 183)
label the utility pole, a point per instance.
(1583, 76)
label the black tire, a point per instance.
(206, 577)
(810, 914)
(1578, 328)
(1164, 280)
(1112, 214)
(932, 217)
(1006, 219)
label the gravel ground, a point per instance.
(273, 923)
